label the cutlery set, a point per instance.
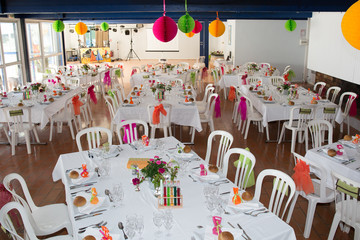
(82, 185)
(96, 225)
(92, 214)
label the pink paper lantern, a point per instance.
(165, 29)
(198, 27)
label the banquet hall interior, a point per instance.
(186, 120)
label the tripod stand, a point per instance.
(131, 52)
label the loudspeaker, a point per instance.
(127, 32)
(139, 25)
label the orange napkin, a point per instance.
(140, 162)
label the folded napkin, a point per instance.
(89, 207)
(96, 233)
(210, 175)
(343, 157)
(236, 232)
(140, 162)
(243, 205)
(81, 179)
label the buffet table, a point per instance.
(187, 220)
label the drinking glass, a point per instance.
(105, 167)
(140, 225)
(168, 221)
(130, 230)
(117, 195)
(210, 205)
(158, 220)
(183, 167)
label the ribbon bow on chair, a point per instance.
(243, 78)
(204, 73)
(222, 70)
(302, 177)
(242, 108)
(92, 94)
(76, 104)
(217, 227)
(236, 198)
(192, 77)
(217, 107)
(107, 78)
(353, 107)
(111, 94)
(156, 114)
(133, 72)
(127, 130)
(232, 93)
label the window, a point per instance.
(45, 48)
(11, 65)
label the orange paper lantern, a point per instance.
(217, 27)
(350, 25)
(81, 28)
(190, 34)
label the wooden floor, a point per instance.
(37, 167)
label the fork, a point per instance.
(97, 225)
(254, 215)
(192, 178)
(247, 236)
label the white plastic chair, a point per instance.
(46, 219)
(216, 77)
(347, 208)
(305, 114)
(73, 81)
(131, 135)
(138, 70)
(93, 136)
(29, 234)
(114, 77)
(241, 178)
(253, 81)
(335, 91)
(120, 87)
(165, 121)
(322, 194)
(239, 94)
(321, 88)
(18, 123)
(252, 115)
(184, 65)
(225, 142)
(65, 116)
(317, 130)
(3, 127)
(328, 113)
(351, 98)
(201, 105)
(110, 103)
(283, 184)
(277, 81)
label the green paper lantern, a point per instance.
(104, 26)
(290, 25)
(186, 23)
(58, 26)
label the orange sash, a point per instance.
(156, 114)
(76, 104)
(302, 177)
(232, 94)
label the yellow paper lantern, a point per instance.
(190, 34)
(350, 25)
(217, 27)
(81, 28)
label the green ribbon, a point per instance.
(118, 73)
(251, 180)
(111, 94)
(192, 77)
(305, 111)
(283, 188)
(329, 110)
(348, 189)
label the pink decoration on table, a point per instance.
(4, 94)
(217, 227)
(198, 27)
(242, 108)
(105, 232)
(317, 97)
(107, 78)
(127, 130)
(203, 171)
(340, 152)
(92, 94)
(84, 173)
(217, 107)
(243, 78)
(353, 108)
(222, 70)
(45, 99)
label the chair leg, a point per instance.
(211, 123)
(27, 140)
(334, 226)
(13, 143)
(36, 135)
(342, 127)
(282, 134)
(193, 135)
(293, 140)
(348, 125)
(7, 134)
(71, 129)
(244, 126)
(51, 129)
(152, 132)
(170, 132)
(267, 132)
(309, 218)
(247, 128)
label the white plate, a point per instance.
(89, 207)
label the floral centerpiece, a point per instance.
(271, 70)
(217, 53)
(86, 67)
(37, 87)
(169, 66)
(285, 87)
(289, 75)
(253, 67)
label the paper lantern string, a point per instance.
(164, 9)
(186, 6)
(217, 15)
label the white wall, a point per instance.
(189, 48)
(218, 43)
(268, 41)
(329, 52)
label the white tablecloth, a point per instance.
(194, 212)
(276, 111)
(351, 170)
(185, 115)
(138, 79)
(228, 80)
(42, 113)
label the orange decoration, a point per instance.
(94, 199)
(302, 177)
(156, 114)
(190, 34)
(217, 27)
(232, 93)
(92, 57)
(81, 28)
(186, 99)
(131, 101)
(350, 25)
(236, 198)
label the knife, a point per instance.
(230, 225)
(99, 212)
(244, 232)
(82, 185)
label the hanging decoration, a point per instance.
(217, 27)
(165, 28)
(81, 28)
(350, 25)
(186, 23)
(190, 34)
(290, 25)
(198, 27)
(58, 26)
(104, 26)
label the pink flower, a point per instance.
(135, 181)
(151, 160)
(163, 162)
(158, 162)
(161, 170)
(156, 157)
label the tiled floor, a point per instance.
(37, 167)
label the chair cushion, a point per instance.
(51, 218)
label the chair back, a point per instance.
(351, 97)
(321, 87)
(281, 185)
(253, 80)
(138, 70)
(208, 90)
(304, 115)
(68, 112)
(120, 87)
(93, 136)
(277, 81)
(73, 81)
(321, 174)
(335, 91)
(130, 131)
(327, 113)
(50, 70)
(165, 121)
(226, 140)
(210, 104)
(178, 82)
(215, 76)
(110, 103)
(287, 68)
(6, 222)
(184, 65)
(116, 95)
(317, 129)
(244, 167)
(347, 205)
(17, 116)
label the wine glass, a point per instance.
(140, 225)
(117, 195)
(168, 221)
(105, 167)
(158, 220)
(210, 205)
